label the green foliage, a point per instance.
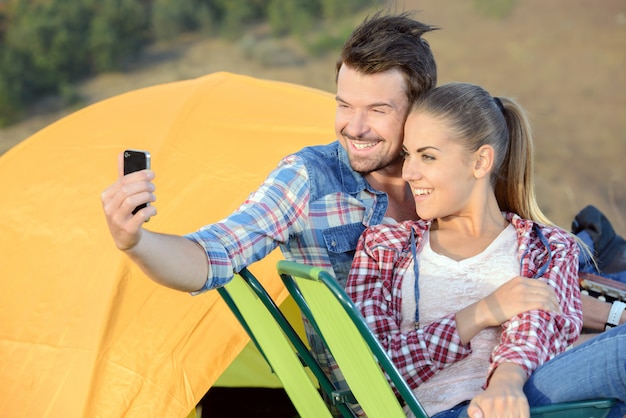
(49, 44)
(47, 36)
(333, 9)
(118, 29)
(172, 18)
(327, 41)
(495, 8)
(46, 45)
(292, 16)
(10, 87)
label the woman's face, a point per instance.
(438, 169)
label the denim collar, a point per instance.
(354, 183)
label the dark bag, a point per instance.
(608, 248)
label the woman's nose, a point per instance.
(410, 171)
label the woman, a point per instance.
(443, 294)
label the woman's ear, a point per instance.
(483, 164)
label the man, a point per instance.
(318, 201)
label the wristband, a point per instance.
(614, 315)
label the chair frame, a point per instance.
(281, 346)
(373, 393)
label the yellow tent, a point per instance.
(83, 333)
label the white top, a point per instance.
(446, 286)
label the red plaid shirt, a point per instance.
(529, 339)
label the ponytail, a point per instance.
(514, 183)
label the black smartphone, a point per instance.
(136, 160)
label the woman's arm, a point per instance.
(513, 297)
(531, 338)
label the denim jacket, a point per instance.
(313, 205)
(337, 189)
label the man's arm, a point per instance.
(207, 258)
(596, 313)
(170, 260)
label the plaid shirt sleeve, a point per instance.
(374, 284)
(266, 219)
(533, 337)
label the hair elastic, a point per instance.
(499, 103)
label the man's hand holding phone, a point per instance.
(126, 203)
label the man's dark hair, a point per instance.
(384, 42)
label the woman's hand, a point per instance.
(516, 296)
(504, 397)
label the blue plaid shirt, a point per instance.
(313, 205)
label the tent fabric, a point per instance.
(83, 333)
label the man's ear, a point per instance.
(484, 160)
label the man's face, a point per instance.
(369, 122)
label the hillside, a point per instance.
(564, 60)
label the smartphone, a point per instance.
(136, 160)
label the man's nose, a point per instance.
(357, 126)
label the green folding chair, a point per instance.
(361, 357)
(280, 345)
